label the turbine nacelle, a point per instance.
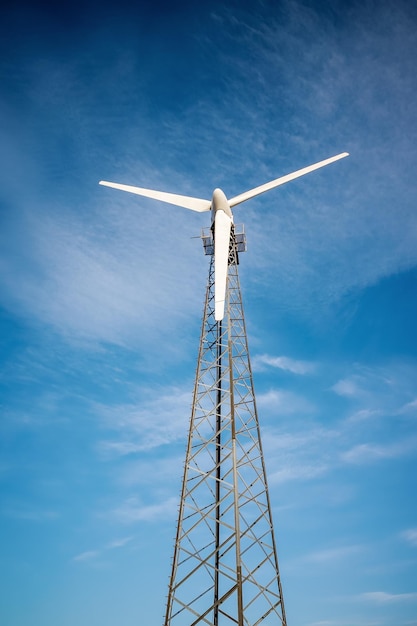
(222, 218)
(219, 202)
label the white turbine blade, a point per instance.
(187, 202)
(222, 226)
(283, 179)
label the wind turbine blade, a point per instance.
(222, 227)
(187, 202)
(283, 179)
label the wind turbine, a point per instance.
(222, 217)
(225, 565)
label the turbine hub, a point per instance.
(219, 203)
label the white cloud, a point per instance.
(119, 448)
(382, 597)
(318, 239)
(410, 535)
(364, 414)
(106, 277)
(296, 472)
(119, 543)
(348, 387)
(134, 511)
(303, 455)
(88, 555)
(382, 391)
(92, 555)
(284, 402)
(160, 418)
(155, 471)
(369, 452)
(409, 407)
(282, 362)
(334, 554)
(88, 281)
(304, 449)
(345, 622)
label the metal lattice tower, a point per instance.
(225, 565)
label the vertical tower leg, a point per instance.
(225, 565)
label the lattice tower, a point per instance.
(225, 564)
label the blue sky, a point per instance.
(102, 295)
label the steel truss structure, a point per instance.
(225, 565)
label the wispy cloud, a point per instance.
(313, 443)
(382, 391)
(349, 387)
(363, 415)
(96, 282)
(297, 472)
(346, 622)
(284, 402)
(93, 555)
(409, 407)
(284, 363)
(302, 455)
(382, 597)
(410, 535)
(88, 555)
(119, 543)
(119, 448)
(155, 471)
(87, 275)
(328, 236)
(329, 555)
(361, 383)
(97, 266)
(368, 453)
(160, 418)
(135, 511)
